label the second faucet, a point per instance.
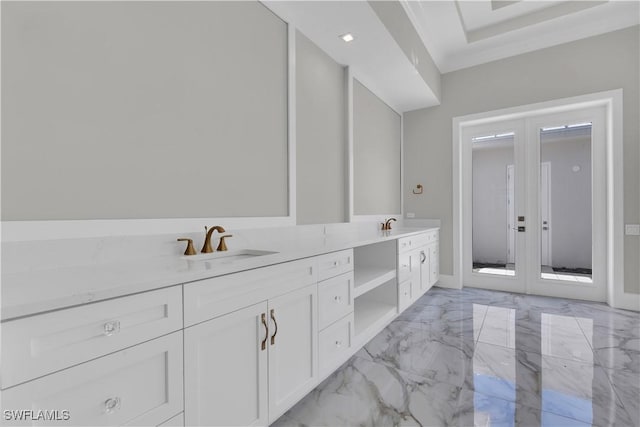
(206, 248)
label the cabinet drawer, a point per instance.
(405, 294)
(141, 385)
(335, 299)
(411, 242)
(404, 244)
(45, 343)
(334, 264)
(206, 299)
(335, 344)
(417, 240)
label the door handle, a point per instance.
(545, 228)
(273, 317)
(266, 332)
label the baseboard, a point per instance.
(448, 281)
(628, 301)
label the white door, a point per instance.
(534, 217)
(494, 202)
(225, 370)
(293, 348)
(567, 236)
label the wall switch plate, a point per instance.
(632, 229)
(411, 215)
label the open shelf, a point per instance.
(367, 278)
(371, 315)
(369, 312)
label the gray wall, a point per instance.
(376, 154)
(321, 135)
(605, 62)
(143, 110)
(570, 201)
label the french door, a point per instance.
(534, 198)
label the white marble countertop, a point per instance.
(31, 292)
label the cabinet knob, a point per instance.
(338, 298)
(338, 344)
(111, 405)
(112, 327)
(335, 263)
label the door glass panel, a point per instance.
(493, 211)
(565, 203)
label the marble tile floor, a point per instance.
(473, 357)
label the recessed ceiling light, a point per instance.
(347, 37)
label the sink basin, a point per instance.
(228, 257)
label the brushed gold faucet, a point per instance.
(207, 248)
(222, 246)
(190, 249)
(387, 224)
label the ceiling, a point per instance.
(457, 34)
(374, 57)
(460, 34)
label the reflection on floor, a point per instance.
(581, 275)
(474, 357)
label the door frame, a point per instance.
(612, 101)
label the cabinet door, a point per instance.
(226, 370)
(293, 348)
(434, 263)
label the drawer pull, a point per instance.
(338, 298)
(111, 405)
(273, 317)
(335, 263)
(423, 257)
(111, 328)
(266, 331)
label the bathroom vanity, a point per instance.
(199, 341)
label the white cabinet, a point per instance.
(418, 266)
(141, 385)
(225, 369)
(248, 367)
(293, 348)
(254, 342)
